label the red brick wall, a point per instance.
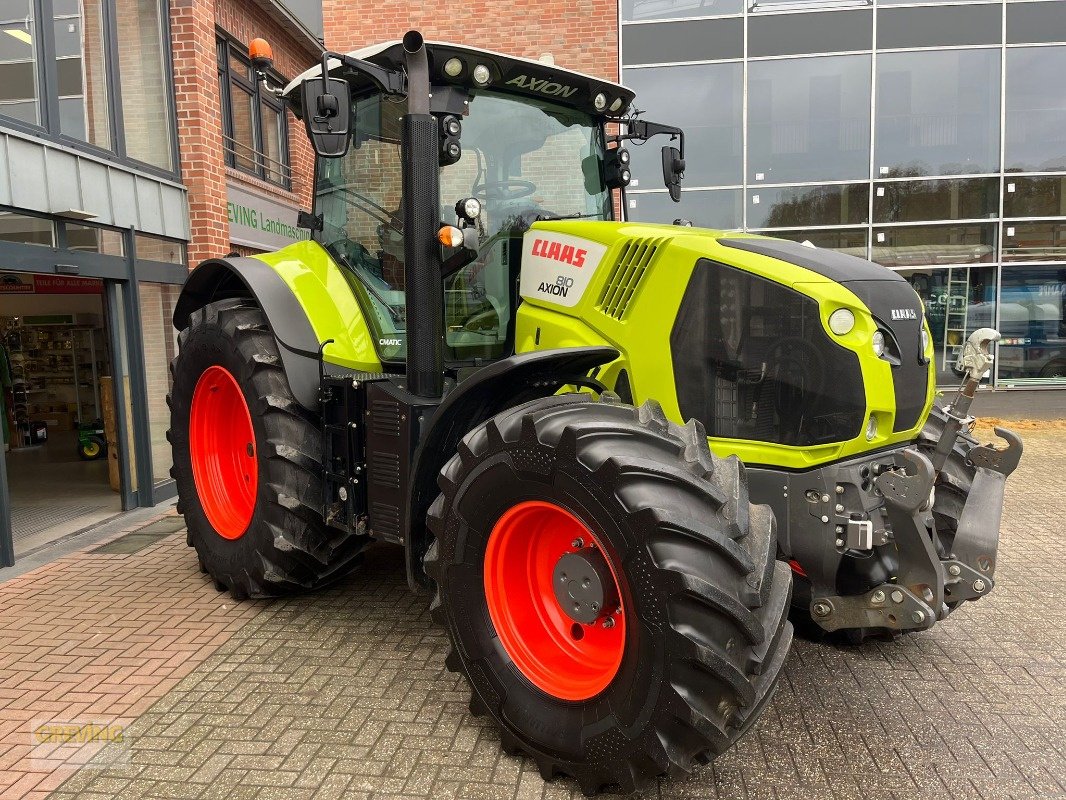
(580, 34)
(203, 166)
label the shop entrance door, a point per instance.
(63, 461)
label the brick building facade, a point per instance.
(196, 26)
(579, 34)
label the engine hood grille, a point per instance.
(897, 309)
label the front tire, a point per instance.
(699, 630)
(247, 460)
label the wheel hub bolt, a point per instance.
(840, 542)
(822, 609)
(609, 622)
(839, 508)
(578, 543)
(897, 596)
(878, 597)
(955, 570)
(979, 585)
(918, 617)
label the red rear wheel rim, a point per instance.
(222, 450)
(565, 659)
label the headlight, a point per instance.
(469, 209)
(841, 321)
(871, 429)
(482, 76)
(600, 101)
(452, 67)
(925, 340)
(878, 343)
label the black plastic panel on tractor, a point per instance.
(752, 361)
(392, 421)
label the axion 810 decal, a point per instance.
(557, 267)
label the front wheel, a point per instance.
(609, 592)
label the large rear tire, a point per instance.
(697, 605)
(247, 460)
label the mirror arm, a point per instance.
(390, 81)
(641, 130)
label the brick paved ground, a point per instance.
(344, 694)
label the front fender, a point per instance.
(498, 386)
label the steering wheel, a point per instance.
(507, 189)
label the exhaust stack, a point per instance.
(421, 203)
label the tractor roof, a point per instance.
(509, 74)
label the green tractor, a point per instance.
(548, 410)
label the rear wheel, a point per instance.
(247, 460)
(609, 592)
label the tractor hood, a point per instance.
(507, 74)
(734, 330)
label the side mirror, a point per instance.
(673, 171)
(327, 110)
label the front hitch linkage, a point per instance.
(925, 583)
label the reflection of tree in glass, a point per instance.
(824, 205)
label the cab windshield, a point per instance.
(523, 159)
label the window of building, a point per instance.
(939, 26)
(1043, 196)
(1035, 22)
(92, 239)
(24, 229)
(958, 300)
(850, 241)
(75, 95)
(790, 206)
(155, 248)
(1031, 313)
(145, 82)
(718, 208)
(793, 34)
(809, 119)
(915, 201)
(937, 113)
(1036, 109)
(633, 10)
(81, 70)
(920, 245)
(253, 121)
(1034, 241)
(706, 101)
(18, 61)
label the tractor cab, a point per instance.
(519, 141)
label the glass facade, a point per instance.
(90, 72)
(925, 136)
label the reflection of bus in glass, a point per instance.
(1031, 320)
(1032, 302)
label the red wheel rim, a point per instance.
(557, 655)
(222, 450)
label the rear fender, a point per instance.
(308, 301)
(498, 386)
(223, 278)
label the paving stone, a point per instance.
(343, 694)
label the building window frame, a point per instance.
(47, 84)
(275, 171)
